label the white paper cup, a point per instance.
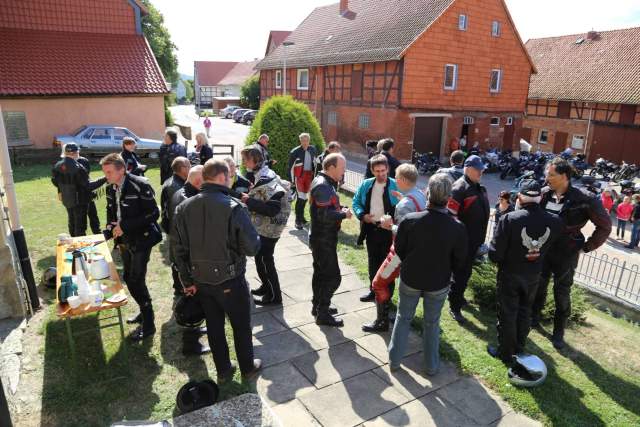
(74, 301)
(96, 298)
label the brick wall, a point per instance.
(85, 16)
(476, 52)
(554, 125)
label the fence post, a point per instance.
(624, 265)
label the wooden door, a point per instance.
(560, 142)
(507, 138)
(427, 135)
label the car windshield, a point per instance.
(78, 131)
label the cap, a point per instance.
(531, 188)
(71, 147)
(474, 162)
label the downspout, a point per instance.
(586, 139)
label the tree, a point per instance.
(250, 93)
(188, 85)
(284, 119)
(160, 41)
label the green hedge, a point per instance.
(483, 289)
(284, 119)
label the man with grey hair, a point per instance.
(431, 245)
(302, 163)
(520, 243)
(263, 144)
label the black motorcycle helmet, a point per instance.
(527, 370)
(197, 394)
(49, 278)
(188, 312)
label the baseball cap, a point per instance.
(531, 188)
(71, 148)
(474, 162)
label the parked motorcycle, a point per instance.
(603, 168)
(426, 163)
(625, 172)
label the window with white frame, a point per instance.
(496, 80)
(333, 118)
(495, 121)
(495, 29)
(462, 22)
(303, 79)
(15, 124)
(468, 120)
(543, 137)
(278, 79)
(577, 142)
(450, 76)
(363, 121)
(509, 121)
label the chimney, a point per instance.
(344, 7)
(592, 35)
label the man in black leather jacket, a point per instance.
(92, 211)
(470, 204)
(169, 150)
(74, 189)
(326, 218)
(132, 213)
(521, 242)
(212, 235)
(456, 170)
(575, 207)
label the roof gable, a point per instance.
(276, 38)
(605, 69)
(373, 31)
(239, 74)
(210, 73)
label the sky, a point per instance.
(222, 30)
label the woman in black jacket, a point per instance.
(131, 159)
(204, 150)
(269, 208)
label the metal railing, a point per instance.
(597, 271)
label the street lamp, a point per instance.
(284, 68)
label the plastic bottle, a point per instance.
(83, 287)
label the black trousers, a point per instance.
(134, 261)
(266, 267)
(230, 298)
(299, 209)
(177, 284)
(379, 242)
(326, 273)
(460, 280)
(94, 221)
(515, 296)
(77, 220)
(562, 267)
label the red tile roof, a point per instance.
(239, 74)
(209, 73)
(65, 63)
(605, 69)
(277, 37)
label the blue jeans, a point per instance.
(635, 234)
(622, 226)
(432, 303)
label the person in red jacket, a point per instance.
(623, 213)
(607, 200)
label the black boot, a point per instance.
(332, 310)
(557, 339)
(369, 296)
(381, 324)
(148, 326)
(135, 319)
(324, 318)
(300, 221)
(191, 344)
(262, 290)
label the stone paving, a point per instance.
(323, 376)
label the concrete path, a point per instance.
(317, 375)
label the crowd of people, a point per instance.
(214, 218)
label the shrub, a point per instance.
(483, 288)
(284, 119)
(250, 93)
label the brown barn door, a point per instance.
(427, 135)
(507, 138)
(560, 142)
(524, 133)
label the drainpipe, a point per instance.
(586, 139)
(14, 217)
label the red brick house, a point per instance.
(421, 71)
(70, 63)
(586, 94)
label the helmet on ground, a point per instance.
(188, 312)
(49, 278)
(527, 370)
(197, 394)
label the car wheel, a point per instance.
(228, 116)
(248, 123)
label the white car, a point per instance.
(99, 140)
(227, 112)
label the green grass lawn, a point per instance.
(92, 394)
(594, 381)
